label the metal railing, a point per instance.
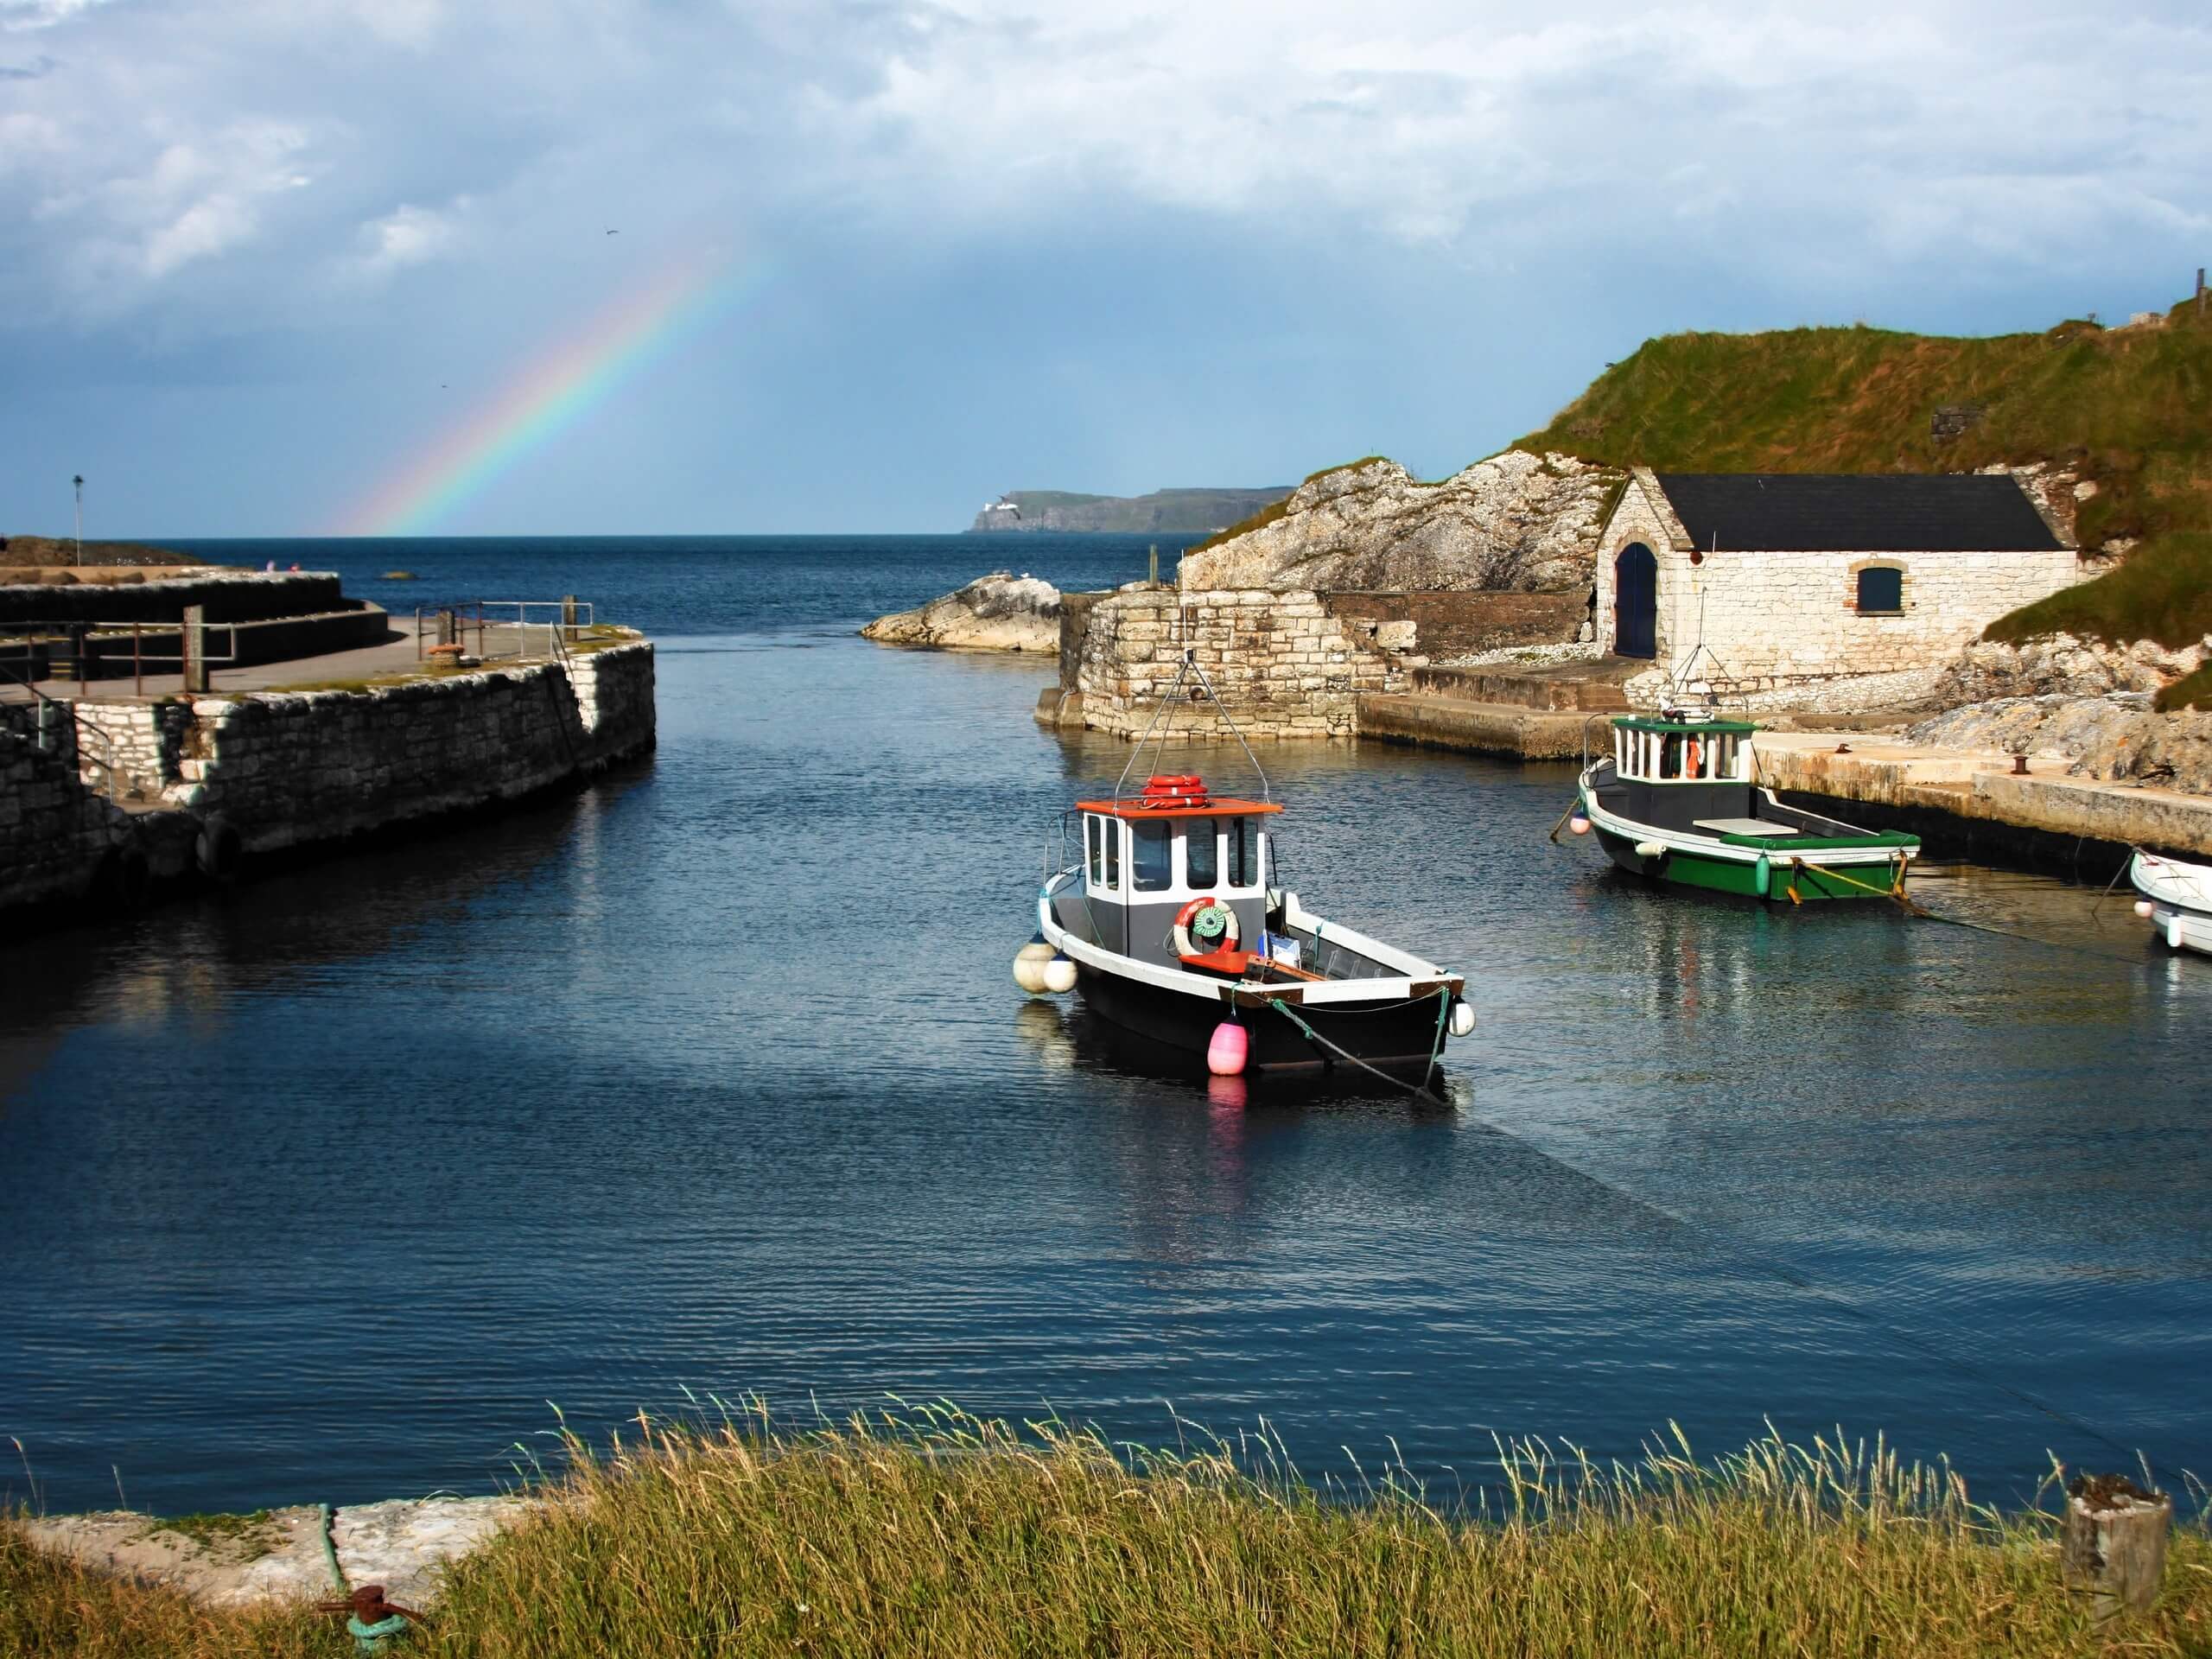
(28, 643)
(46, 735)
(504, 627)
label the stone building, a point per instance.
(1834, 589)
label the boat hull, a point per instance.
(1398, 1035)
(1687, 867)
(2179, 895)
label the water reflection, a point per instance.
(714, 1077)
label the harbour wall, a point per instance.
(1280, 664)
(1284, 664)
(113, 793)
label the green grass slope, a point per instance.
(2130, 410)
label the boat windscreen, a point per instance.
(1149, 858)
(1201, 849)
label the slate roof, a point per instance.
(1851, 512)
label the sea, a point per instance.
(710, 1083)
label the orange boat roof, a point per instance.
(1134, 806)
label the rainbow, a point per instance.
(549, 395)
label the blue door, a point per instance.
(1636, 602)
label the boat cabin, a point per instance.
(1146, 857)
(1676, 773)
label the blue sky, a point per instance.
(256, 255)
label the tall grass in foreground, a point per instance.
(930, 1532)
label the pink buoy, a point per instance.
(1579, 825)
(1226, 1054)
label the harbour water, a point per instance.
(713, 1078)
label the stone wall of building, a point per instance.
(1280, 664)
(1785, 627)
(285, 769)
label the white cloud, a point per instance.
(166, 148)
(23, 15)
(407, 236)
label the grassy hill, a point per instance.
(2128, 408)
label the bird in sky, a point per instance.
(614, 232)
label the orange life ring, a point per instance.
(1229, 935)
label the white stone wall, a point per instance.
(1770, 623)
(1282, 666)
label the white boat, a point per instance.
(2177, 899)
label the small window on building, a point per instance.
(1149, 857)
(1881, 589)
(1201, 863)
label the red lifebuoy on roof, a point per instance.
(1175, 789)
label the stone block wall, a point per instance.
(53, 830)
(292, 768)
(1282, 666)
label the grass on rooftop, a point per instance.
(2126, 409)
(928, 1532)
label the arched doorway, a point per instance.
(1636, 602)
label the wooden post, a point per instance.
(2200, 291)
(2115, 1542)
(138, 664)
(191, 646)
(448, 630)
(1153, 581)
(568, 618)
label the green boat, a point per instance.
(1678, 800)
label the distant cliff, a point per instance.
(1169, 511)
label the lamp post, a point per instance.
(79, 480)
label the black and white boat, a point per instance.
(1172, 925)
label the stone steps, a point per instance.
(1588, 688)
(1507, 728)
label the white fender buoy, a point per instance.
(1463, 1017)
(1059, 976)
(2144, 908)
(2173, 931)
(1579, 825)
(1650, 848)
(1227, 1053)
(1029, 966)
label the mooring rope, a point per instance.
(1421, 1089)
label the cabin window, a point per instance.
(1094, 850)
(1201, 854)
(1881, 590)
(1150, 862)
(1240, 851)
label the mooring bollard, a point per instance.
(2115, 1542)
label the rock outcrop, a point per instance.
(1516, 521)
(2117, 738)
(999, 612)
(2060, 666)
